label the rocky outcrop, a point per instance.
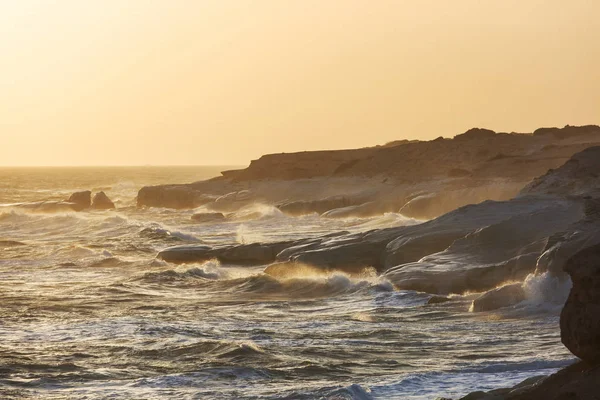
(578, 176)
(80, 200)
(576, 382)
(244, 254)
(477, 247)
(102, 202)
(172, 196)
(470, 160)
(504, 296)
(580, 317)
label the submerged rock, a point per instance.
(208, 217)
(11, 243)
(504, 296)
(172, 196)
(580, 333)
(438, 300)
(80, 200)
(580, 317)
(102, 202)
(244, 254)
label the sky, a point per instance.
(201, 82)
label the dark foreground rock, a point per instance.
(102, 202)
(580, 317)
(580, 381)
(580, 333)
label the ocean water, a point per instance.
(87, 311)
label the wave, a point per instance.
(210, 271)
(301, 282)
(547, 288)
(207, 349)
(257, 211)
(158, 232)
(309, 282)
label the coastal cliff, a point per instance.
(422, 179)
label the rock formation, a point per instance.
(473, 248)
(497, 298)
(424, 178)
(102, 202)
(580, 317)
(80, 200)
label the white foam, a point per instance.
(546, 288)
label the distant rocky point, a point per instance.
(424, 179)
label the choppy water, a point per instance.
(86, 311)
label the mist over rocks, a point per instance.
(420, 179)
(473, 248)
(548, 229)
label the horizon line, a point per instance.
(121, 166)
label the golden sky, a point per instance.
(113, 82)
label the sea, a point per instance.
(87, 311)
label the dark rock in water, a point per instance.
(438, 300)
(81, 200)
(159, 234)
(186, 254)
(102, 202)
(208, 217)
(580, 317)
(506, 393)
(319, 206)
(580, 381)
(171, 196)
(349, 257)
(245, 254)
(504, 296)
(50, 206)
(11, 243)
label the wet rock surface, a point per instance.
(580, 317)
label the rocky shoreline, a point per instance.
(551, 228)
(422, 179)
(580, 333)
